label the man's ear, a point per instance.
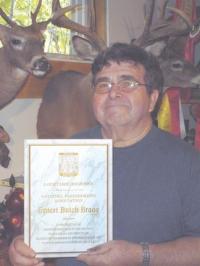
(153, 100)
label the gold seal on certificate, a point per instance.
(68, 195)
(68, 163)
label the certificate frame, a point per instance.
(68, 195)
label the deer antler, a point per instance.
(37, 26)
(140, 41)
(7, 19)
(59, 12)
(163, 8)
(183, 16)
(34, 15)
(163, 28)
(60, 20)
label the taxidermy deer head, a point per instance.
(166, 38)
(22, 54)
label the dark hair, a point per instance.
(122, 52)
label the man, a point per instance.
(156, 177)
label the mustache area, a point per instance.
(115, 104)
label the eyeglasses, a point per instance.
(125, 85)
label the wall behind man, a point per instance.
(125, 20)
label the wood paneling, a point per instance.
(100, 10)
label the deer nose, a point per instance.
(41, 64)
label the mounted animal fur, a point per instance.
(22, 54)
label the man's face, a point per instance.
(121, 108)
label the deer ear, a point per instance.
(4, 32)
(84, 48)
(156, 48)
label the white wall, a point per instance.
(125, 20)
(19, 120)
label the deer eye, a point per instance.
(16, 42)
(177, 65)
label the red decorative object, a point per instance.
(15, 200)
(11, 216)
(190, 10)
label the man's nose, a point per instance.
(115, 91)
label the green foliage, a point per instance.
(57, 39)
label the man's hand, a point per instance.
(21, 255)
(113, 253)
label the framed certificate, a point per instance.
(68, 195)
